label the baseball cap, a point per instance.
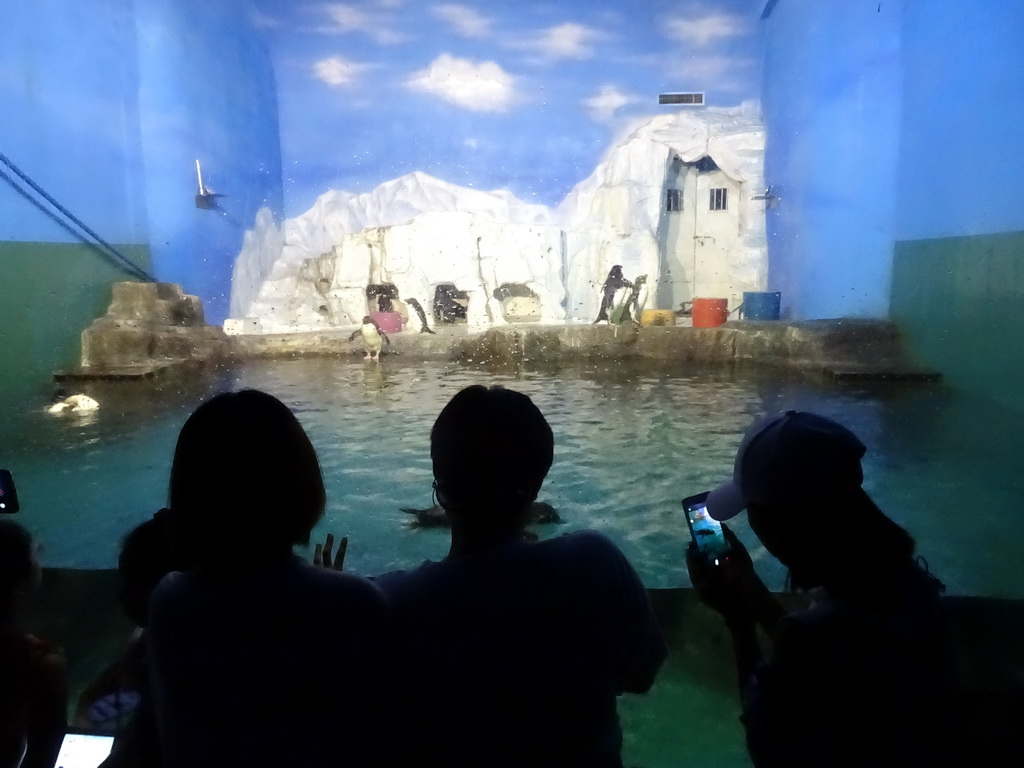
(789, 457)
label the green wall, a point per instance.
(960, 303)
(51, 293)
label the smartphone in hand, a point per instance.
(705, 531)
(8, 493)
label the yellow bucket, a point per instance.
(657, 317)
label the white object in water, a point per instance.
(73, 404)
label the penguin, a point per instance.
(637, 299)
(618, 312)
(373, 338)
(424, 328)
(435, 517)
(73, 404)
(611, 285)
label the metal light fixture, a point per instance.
(205, 198)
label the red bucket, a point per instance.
(389, 322)
(710, 313)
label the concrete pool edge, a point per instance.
(144, 334)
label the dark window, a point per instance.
(719, 199)
(681, 98)
(673, 200)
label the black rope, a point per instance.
(108, 251)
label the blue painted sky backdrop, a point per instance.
(492, 94)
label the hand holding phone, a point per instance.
(8, 493)
(705, 531)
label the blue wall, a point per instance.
(894, 140)
(207, 93)
(107, 105)
(831, 105)
(68, 84)
(962, 138)
(958, 265)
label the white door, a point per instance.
(715, 232)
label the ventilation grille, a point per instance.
(693, 99)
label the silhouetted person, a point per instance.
(258, 658)
(122, 694)
(861, 677)
(516, 650)
(613, 283)
(33, 673)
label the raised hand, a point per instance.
(322, 553)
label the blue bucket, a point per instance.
(761, 305)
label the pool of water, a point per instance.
(630, 443)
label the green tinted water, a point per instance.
(629, 445)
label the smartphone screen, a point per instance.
(8, 494)
(83, 750)
(705, 531)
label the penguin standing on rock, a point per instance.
(614, 285)
(424, 328)
(637, 299)
(373, 338)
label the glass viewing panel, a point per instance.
(452, 170)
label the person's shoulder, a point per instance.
(42, 661)
(585, 545)
(584, 539)
(338, 584)
(30, 650)
(397, 582)
(176, 587)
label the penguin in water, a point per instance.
(424, 328)
(637, 299)
(72, 404)
(373, 338)
(614, 283)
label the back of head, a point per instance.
(245, 482)
(146, 557)
(793, 458)
(801, 473)
(491, 450)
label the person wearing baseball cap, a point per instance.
(863, 675)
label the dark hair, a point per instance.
(146, 557)
(16, 560)
(868, 549)
(245, 482)
(855, 550)
(491, 449)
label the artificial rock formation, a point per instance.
(418, 232)
(149, 324)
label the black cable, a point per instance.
(111, 253)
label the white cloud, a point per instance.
(464, 20)
(471, 143)
(345, 19)
(711, 73)
(705, 30)
(603, 105)
(337, 71)
(263, 21)
(566, 41)
(481, 86)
